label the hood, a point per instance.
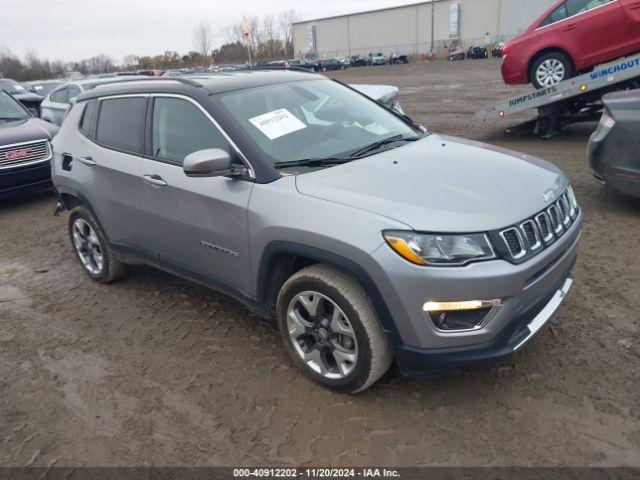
(28, 97)
(627, 100)
(26, 131)
(441, 184)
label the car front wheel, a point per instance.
(551, 69)
(331, 330)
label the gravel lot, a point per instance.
(157, 371)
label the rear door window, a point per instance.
(180, 128)
(121, 124)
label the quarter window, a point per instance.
(60, 96)
(121, 123)
(575, 7)
(88, 117)
(180, 128)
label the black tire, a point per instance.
(373, 350)
(564, 60)
(112, 269)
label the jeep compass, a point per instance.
(367, 239)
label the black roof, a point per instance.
(213, 83)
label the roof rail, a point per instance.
(142, 78)
(277, 67)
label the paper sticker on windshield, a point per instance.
(277, 123)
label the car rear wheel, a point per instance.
(91, 247)
(550, 69)
(331, 330)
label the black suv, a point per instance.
(25, 151)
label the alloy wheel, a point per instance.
(87, 246)
(550, 72)
(322, 335)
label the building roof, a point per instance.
(412, 4)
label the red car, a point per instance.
(571, 37)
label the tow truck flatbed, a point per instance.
(577, 99)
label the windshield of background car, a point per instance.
(10, 109)
(45, 88)
(14, 88)
(311, 119)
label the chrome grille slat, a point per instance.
(531, 234)
(23, 154)
(534, 233)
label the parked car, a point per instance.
(570, 37)
(150, 73)
(25, 151)
(18, 91)
(279, 63)
(377, 59)
(56, 104)
(455, 54)
(497, 50)
(331, 64)
(304, 63)
(397, 58)
(477, 52)
(193, 178)
(613, 152)
(358, 61)
(44, 87)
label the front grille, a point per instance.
(545, 229)
(22, 154)
(534, 233)
(514, 243)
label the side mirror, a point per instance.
(212, 162)
(33, 112)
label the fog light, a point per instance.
(467, 305)
(461, 316)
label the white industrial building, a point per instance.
(417, 28)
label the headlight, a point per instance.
(440, 250)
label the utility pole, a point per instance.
(433, 22)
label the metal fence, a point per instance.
(441, 48)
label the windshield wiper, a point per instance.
(314, 162)
(381, 143)
(11, 118)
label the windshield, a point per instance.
(11, 109)
(311, 119)
(14, 88)
(45, 88)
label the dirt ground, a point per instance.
(157, 371)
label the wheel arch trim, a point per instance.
(276, 248)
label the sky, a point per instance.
(76, 29)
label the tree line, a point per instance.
(271, 38)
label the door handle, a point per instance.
(154, 180)
(570, 27)
(88, 161)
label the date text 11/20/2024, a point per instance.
(315, 473)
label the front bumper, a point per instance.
(24, 180)
(414, 361)
(514, 72)
(529, 294)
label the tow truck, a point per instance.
(578, 99)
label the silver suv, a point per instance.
(367, 239)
